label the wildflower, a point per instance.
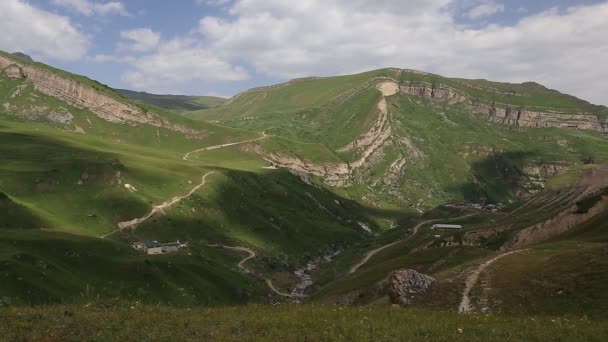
(460, 330)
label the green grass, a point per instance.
(285, 323)
(44, 267)
(465, 157)
(296, 94)
(272, 211)
(180, 103)
(15, 215)
(81, 79)
(71, 178)
(59, 189)
(562, 277)
(568, 178)
(528, 94)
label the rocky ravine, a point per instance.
(591, 188)
(341, 174)
(80, 95)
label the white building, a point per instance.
(154, 247)
(446, 226)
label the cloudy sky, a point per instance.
(221, 47)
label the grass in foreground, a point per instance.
(284, 323)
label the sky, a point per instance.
(222, 47)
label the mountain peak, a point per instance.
(23, 56)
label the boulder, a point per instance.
(13, 71)
(404, 285)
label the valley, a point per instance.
(275, 179)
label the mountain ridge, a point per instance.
(173, 102)
(316, 178)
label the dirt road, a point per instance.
(473, 277)
(244, 269)
(215, 147)
(157, 208)
(174, 200)
(371, 253)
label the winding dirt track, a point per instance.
(215, 147)
(244, 269)
(133, 223)
(157, 208)
(465, 303)
(371, 253)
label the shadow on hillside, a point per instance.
(496, 178)
(274, 210)
(63, 180)
(22, 147)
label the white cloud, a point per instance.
(32, 30)
(141, 39)
(216, 94)
(319, 37)
(179, 62)
(89, 8)
(101, 58)
(565, 49)
(212, 2)
(484, 9)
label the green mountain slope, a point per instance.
(298, 183)
(70, 166)
(547, 256)
(173, 102)
(435, 140)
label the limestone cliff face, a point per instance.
(80, 95)
(337, 174)
(13, 71)
(591, 199)
(557, 225)
(505, 113)
(368, 145)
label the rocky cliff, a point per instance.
(84, 96)
(506, 113)
(592, 200)
(367, 145)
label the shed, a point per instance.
(446, 226)
(152, 247)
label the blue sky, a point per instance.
(221, 47)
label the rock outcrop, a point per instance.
(13, 71)
(368, 144)
(404, 285)
(557, 225)
(506, 113)
(591, 199)
(80, 95)
(336, 174)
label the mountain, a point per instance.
(174, 102)
(315, 190)
(23, 56)
(79, 159)
(407, 138)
